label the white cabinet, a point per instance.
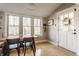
(62, 39)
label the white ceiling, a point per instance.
(35, 9)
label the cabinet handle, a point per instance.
(74, 33)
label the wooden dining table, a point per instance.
(2, 40)
(1, 43)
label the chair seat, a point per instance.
(1, 53)
(12, 46)
(27, 43)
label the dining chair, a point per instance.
(5, 48)
(13, 44)
(29, 42)
(1, 51)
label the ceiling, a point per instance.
(34, 9)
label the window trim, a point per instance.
(21, 29)
(12, 25)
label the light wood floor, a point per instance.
(46, 49)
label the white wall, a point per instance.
(2, 23)
(53, 30)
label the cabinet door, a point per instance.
(70, 41)
(62, 39)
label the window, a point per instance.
(13, 26)
(61, 22)
(37, 27)
(66, 21)
(71, 16)
(26, 26)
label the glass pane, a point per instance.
(65, 27)
(71, 15)
(61, 22)
(37, 22)
(26, 31)
(26, 21)
(16, 20)
(66, 15)
(37, 31)
(13, 31)
(61, 17)
(11, 20)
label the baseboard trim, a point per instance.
(56, 44)
(77, 54)
(41, 41)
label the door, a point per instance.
(67, 30)
(77, 30)
(71, 33)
